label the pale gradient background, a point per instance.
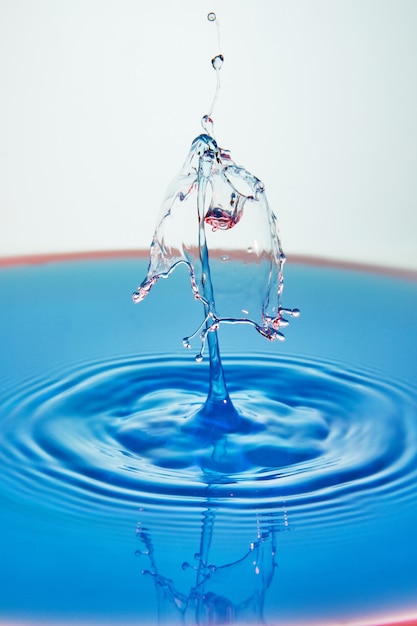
(100, 99)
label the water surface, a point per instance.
(306, 513)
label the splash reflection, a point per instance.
(208, 590)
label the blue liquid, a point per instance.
(99, 438)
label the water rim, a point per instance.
(315, 261)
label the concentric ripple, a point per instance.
(118, 432)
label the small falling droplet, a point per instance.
(225, 257)
(211, 17)
(198, 358)
(185, 565)
(197, 556)
(295, 312)
(217, 61)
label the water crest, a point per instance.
(215, 211)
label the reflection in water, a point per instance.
(218, 592)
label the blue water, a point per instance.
(120, 504)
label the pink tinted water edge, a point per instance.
(57, 257)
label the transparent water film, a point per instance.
(215, 215)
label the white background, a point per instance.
(100, 100)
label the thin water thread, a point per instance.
(217, 62)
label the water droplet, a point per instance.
(198, 358)
(197, 556)
(225, 257)
(207, 124)
(217, 61)
(185, 565)
(211, 16)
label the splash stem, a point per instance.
(218, 406)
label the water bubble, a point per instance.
(211, 16)
(217, 61)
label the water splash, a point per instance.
(216, 210)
